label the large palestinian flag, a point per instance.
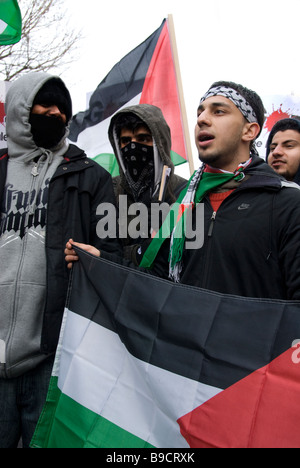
(10, 22)
(144, 362)
(145, 76)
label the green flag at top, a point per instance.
(10, 22)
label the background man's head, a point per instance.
(130, 128)
(283, 148)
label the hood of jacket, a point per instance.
(154, 119)
(297, 177)
(18, 106)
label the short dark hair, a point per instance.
(282, 126)
(129, 121)
(251, 97)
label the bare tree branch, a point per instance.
(47, 40)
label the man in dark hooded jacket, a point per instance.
(141, 139)
(49, 192)
(283, 149)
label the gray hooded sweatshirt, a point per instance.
(22, 231)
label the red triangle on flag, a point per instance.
(160, 89)
(2, 113)
(260, 411)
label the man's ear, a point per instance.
(251, 131)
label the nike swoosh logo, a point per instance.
(243, 206)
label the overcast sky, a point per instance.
(255, 43)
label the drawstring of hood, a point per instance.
(38, 172)
(40, 169)
(158, 168)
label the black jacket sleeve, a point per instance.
(287, 231)
(104, 219)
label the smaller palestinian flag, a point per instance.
(144, 76)
(182, 367)
(10, 22)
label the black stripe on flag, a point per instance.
(212, 338)
(123, 83)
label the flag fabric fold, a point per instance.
(146, 75)
(10, 22)
(144, 362)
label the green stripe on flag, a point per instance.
(109, 162)
(11, 22)
(177, 159)
(72, 423)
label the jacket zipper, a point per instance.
(19, 272)
(210, 235)
(212, 223)
(208, 249)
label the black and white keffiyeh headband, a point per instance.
(238, 100)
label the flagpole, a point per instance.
(180, 92)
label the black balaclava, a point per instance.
(48, 131)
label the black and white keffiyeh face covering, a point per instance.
(139, 164)
(238, 100)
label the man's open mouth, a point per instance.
(205, 138)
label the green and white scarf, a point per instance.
(198, 186)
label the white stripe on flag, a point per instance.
(3, 26)
(98, 372)
(95, 140)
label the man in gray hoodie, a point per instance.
(49, 192)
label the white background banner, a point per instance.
(277, 107)
(3, 90)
